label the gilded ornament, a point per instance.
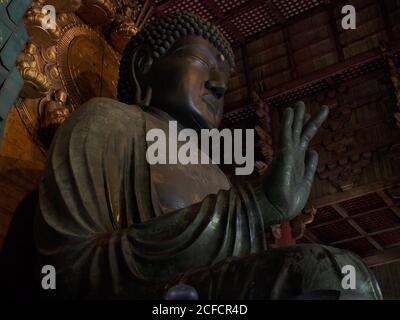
(44, 37)
(65, 5)
(54, 113)
(88, 65)
(121, 33)
(36, 84)
(97, 12)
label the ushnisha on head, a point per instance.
(180, 64)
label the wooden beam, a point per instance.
(289, 50)
(301, 16)
(272, 7)
(355, 192)
(394, 228)
(360, 150)
(317, 76)
(311, 237)
(334, 30)
(393, 245)
(383, 257)
(384, 118)
(217, 12)
(247, 73)
(385, 19)
(324, 73)
(358, 215)
(163, 5)
(355, 225)
(237, 11)
(389, 202)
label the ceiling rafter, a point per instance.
(355, 225)
(334, 30)
(384, 15)
(301, 16)
(383, 257)
(164, 4)
(390, 203)
(217, 12)
(325, 73)
(288, 42)
(238, 10)
(289, 50)
(353, 216)
(276, 12)
(247, 73)
(356, 192)
(300, 84)
(369, 234)
(311, 237)
(295, 85)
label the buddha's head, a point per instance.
(180, 64)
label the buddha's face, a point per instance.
(189, 83)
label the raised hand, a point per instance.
(289, 179)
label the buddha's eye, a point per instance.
(198, 60)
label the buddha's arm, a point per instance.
(96, 223)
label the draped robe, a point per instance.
(101, 224)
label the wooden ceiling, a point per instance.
(241, 20)
(368, 225)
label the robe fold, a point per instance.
(99, 225)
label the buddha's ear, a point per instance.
(141, 65)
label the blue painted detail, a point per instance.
(5, 34)
(16, 9)
(4, 15)
(3, 75)
(9, 92)
(13, 37)
(13, 47)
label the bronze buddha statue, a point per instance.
(114, 226)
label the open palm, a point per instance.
(289, 179)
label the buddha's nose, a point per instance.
(216, 84)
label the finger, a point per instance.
(313, 125)
(286, 130)
(307, 117)
(299, 112)
(311, 168)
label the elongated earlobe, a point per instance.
(141, 64)
(145, 103)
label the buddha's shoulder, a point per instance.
(105, 107)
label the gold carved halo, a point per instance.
(87, 64)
